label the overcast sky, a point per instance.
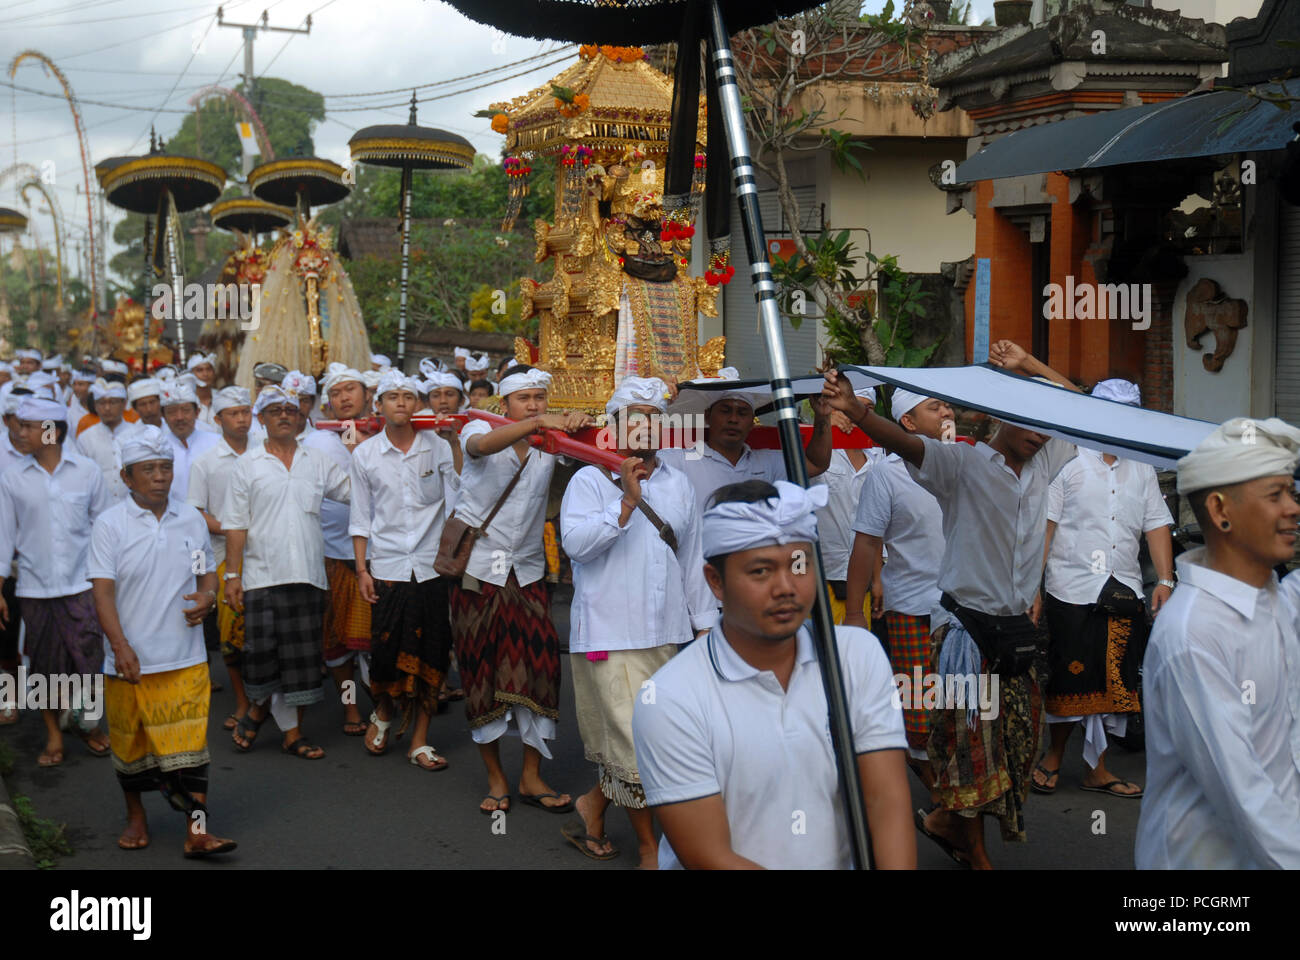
(153, 55)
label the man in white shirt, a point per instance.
(96, 441)
(844, 478)
(994, 501)
(506, 644)
(81, 382)
(209, 481)
(403, 480)
(9, 632)
(150, 602)
(1221, 681)
(145, 398)
(203, 368)
(180, 407)
(1098, 509)
(725, 457)
(897, 514)
(346, 629)
(48, 501)
(619, 637)
(732, 735)
(276, 568)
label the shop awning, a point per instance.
(1198, 125)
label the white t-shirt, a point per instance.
(713, 724)
(835, 520)
(712, 470)
(909, 520)
(152, 563)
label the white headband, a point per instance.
(478, 364)
(789, 517)
(177, 392)
(146, 442)
(38, 408)
(199, 359)
(230, 397)
(112, 366)
(650, 391)
(273, 394)
(300, 383)
(1240, 450)
(905, 401)
(380, 359)
(438, 380)
(395, 380)
(104, 390)
(28, 354)
(339, 373)
(148, 387)
(81, 376)
(1121, 391)
(528, 380)
(462, 352)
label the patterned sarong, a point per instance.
(411, 648)
(1095, 652)
(282, 630)
(908, 641)
(159, 724)
(347, 615)
(63, 634)
(605, 692)
(230, 623)
(507, 650)
(985, 769)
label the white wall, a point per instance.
(1197, 392)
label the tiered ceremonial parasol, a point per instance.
(299, 182)
(409, 147)
(12, 221)
(165, 186)
(249, 215)
(688, 23)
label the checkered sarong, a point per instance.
(908, 640)
(282, 630)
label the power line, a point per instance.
(194, 52)
(439, 83)
(93, 103)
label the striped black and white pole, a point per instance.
(406, 267)
(723, 73)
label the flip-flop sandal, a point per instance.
(355, 728)
(940, 841)
(504, 798)
(1106, 788)
(231, 722)
(576, 833)
(225, 846)
(301, 748)
(439, 763)
(1039, 788)
(85, 736)
(535, 800)
(49, 759)
(452, 695)
(244, 726)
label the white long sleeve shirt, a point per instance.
(1221, 697)
(630, 591)
(994, 523)
(514, 538)
(96, 442)
(1101, 512)
(400, 502)
(280, 509)
(45, 520)
(909, 520)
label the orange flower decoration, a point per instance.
(500, 123)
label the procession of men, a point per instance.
(372, 573)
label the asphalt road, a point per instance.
(352, 810)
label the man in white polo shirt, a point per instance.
(96, 441)
(732, 735)
(154, 581)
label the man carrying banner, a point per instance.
(994, 500)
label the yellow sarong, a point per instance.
(838, 609)
(160, 722)
(229, 623)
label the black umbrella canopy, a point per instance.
(138, 183)
(249, 215)
(281, 181)
(112, 163)
(636, 22)
(11, 221)
(412, 146)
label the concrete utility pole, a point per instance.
(250, 34)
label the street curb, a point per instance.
(14, 852)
